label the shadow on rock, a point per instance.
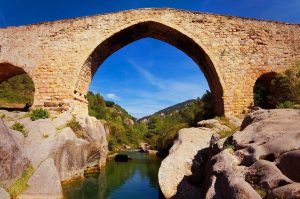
(190, 186)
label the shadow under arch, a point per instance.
(8, 70)
(166, 34)
(19, 99)
(272, 89)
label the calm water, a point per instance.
(136, 178)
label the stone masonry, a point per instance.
(62, 56)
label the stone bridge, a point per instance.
(62, 56)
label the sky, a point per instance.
(146, 75)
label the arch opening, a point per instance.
(157, 31)
(16, 88)
(273, 90)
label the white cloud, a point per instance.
(112, 96)
(140, 102)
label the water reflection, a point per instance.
(134, 179)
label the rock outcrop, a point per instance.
(13, 160)
(72, 155)
(260, 161)
(55, 151)
(253, 163)
(180, 172)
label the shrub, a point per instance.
(21, 184)
(39, 114)
(19, 127)
(286, 104)
(76, 127)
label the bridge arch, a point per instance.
(21, 100)
(158, 31)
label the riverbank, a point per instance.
(50, 149)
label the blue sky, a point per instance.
(147, 75)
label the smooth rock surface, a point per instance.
(179, 172)
(288, 191)
(289, 164)
(44, 183)
(4, 194)
(13, 161)
(40, 140)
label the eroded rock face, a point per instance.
(12, 158)
(72, 155)
(287, 191)
(44, 183)
(180, 172)
(261, 159)
(54, 151)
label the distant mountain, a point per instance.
(169, 110)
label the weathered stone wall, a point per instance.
(233, 52)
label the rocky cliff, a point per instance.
(262, 160)
(54, 151)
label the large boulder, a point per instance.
(13, 161)
(44, 183)
(72, 155)
(180, 172)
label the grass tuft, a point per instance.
(2, 115)
(17, 126)
(21, 184)
(76, 127)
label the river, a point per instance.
(136, 178)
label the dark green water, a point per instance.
(136, 178)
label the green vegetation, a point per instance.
(20, 127)
(226, 133)
(274, 90)
(2, 115)
(254, 180)
(18, 90)
(39, 114)
(76, 127)
(123, 128)
(159, 130)
(21, 184)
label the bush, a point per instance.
(76, 127)
(20, 127)
(39, 114)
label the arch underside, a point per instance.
(8, 70)
(161, 32)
